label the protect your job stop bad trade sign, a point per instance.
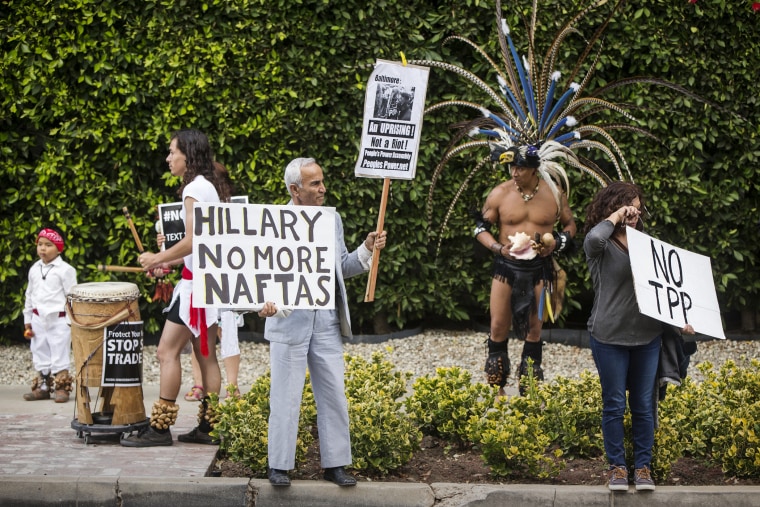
(247, 254)
(674, 285)
(393, 110)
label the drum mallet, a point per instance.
(132, 228)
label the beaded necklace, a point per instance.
(528, 197)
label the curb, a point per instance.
(200, 492)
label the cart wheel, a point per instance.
(87, 439)
(80, 434)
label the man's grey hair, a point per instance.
(293, 171)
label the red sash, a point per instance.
(197, 315)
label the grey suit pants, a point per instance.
(322, 352)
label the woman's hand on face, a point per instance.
(626, 215)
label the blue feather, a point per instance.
(518, 63)
(502, 123)
(560, 103)
(568, 120)
(549, 100)
(569, 138)
(512, 100)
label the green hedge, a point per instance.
(91, 91)
(714, 421)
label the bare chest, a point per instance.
(540, 211)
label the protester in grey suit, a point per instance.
(313, 338)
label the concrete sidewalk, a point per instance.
(38, 440)
(43, 461)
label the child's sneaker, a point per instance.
(642, 478)
(618, 478)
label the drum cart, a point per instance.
(85, 431)
(92, 308)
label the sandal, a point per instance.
(195, 393)
(233, 391)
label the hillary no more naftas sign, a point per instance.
(674, 285)
(247, 254)
(393, 111)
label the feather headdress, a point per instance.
(532, 110)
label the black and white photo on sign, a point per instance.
(170, 222)
(393, 102)
(393, 111)
(247, 254)
(122, 355)
(674, 285)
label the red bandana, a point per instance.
(53, 236)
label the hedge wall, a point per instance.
(91, 91)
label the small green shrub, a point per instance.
(512, 442)
(383, 438)
(669, 443)
(738, 447)
(711, 404)
(379, 372)
(735, 444)
(242, 425)
(444, 405)
(708, 414)
(572, 410)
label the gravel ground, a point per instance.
(420, 354)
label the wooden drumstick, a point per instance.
(121, 269)
(126, 269)
(132, 228)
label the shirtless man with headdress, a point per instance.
(529, 123)
(525, 210)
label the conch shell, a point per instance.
(522, 247)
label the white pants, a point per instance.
(51, 343)
(323, 353)
(229, 322)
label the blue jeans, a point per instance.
(634, 368)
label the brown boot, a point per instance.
(40, 389)
(62, 385)
(60, 396)
(37, 394)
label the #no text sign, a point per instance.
(674, 285)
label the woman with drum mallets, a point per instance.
(190, 158)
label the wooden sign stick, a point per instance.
(369, 295)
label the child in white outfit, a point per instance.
(50, 280)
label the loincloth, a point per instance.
(522, 276)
